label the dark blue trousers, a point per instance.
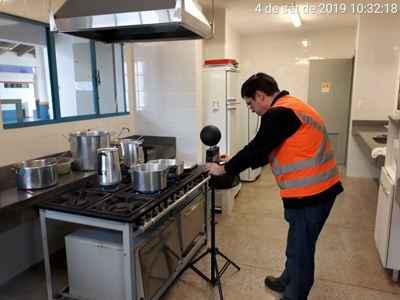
(305, 225)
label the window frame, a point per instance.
(53, 75)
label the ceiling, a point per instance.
(246, 20)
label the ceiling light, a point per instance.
(304, 43)
(294, 17)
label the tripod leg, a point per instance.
(218, 278)
(228, 259)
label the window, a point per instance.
(75, 77)
(25, 92)
(53, 77)
(93, 77)
(139, 87)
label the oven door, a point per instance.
(159, 257)
(192, 220)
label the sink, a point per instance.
(380, 139)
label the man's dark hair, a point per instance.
(259, 82)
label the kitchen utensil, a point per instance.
(176, 167)
(84, 147)
(131, 152)
(36, 174)
(108, 170)
(189, 165)
(149, 177)
(63, 165)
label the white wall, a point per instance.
(171, 93)
(282, 55)
(215, 47)
(374, 87)
(232, 40)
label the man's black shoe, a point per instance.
(274, 284)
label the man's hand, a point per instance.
(224, 157)
(215, 169)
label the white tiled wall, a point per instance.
(170, 93)
(374, 87)
(283, 56)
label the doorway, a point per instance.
(329, 92)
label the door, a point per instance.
(329, 92)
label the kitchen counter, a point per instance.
(14, 196)
(364, 132)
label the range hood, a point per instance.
(112, 21)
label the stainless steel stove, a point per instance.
(121, 202)
(174, 219)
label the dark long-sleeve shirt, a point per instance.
(277, 124)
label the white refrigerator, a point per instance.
(222, 105)
(224, 108)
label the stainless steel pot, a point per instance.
(176, 167)
(149, 177)
(84, 147)
(131, 152)
(36, 174)
(108, 170)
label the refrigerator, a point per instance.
(224, 108)
(222, 105)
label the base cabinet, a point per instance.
(387, 224)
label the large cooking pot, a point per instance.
(84, 147)
(149, 177)
(36, 174)
(131, 152)
(176, 167)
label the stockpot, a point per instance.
(175, 167)
(84, 147)
(149, 177)
(36, 174)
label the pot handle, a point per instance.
(15, 168)
(66, 137)
(99, 162)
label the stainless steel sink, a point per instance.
(380, 139)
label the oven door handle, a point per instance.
(154, 220)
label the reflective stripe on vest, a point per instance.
(322, 155)
(295, 183)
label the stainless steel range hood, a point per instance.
(133, 20)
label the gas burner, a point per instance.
(119, 204)
(80, 198)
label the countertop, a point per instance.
(14, 196)
(364, 131)
(367, 139)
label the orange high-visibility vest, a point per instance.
(304, 164)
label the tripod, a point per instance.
(216, 273)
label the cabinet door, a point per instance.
(393, 261)
(383, 217)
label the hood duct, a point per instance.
(112, 21)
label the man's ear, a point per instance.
(258, 95)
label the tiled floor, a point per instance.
(254, 236)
